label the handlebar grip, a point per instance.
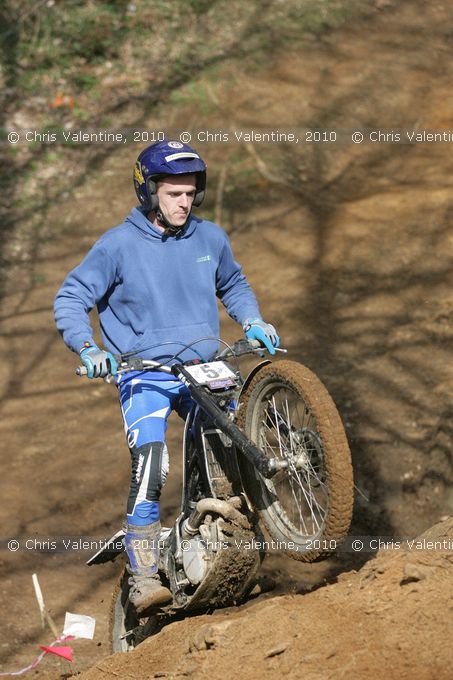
(255, 344)
(81, 370)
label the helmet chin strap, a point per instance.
(169, 227)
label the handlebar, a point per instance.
(126, 364)
(131, 364)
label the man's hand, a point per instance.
(257, 329)
(98, 362)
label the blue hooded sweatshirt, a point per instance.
(152, 289)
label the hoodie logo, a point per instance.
(203, 258)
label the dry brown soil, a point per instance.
(351, 259)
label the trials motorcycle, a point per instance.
(265, 454)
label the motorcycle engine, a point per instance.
(195, 559)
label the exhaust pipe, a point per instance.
(226, 509)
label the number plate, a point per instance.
(214, 370)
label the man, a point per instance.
(155, 279)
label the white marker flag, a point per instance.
(79, 626)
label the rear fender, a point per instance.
(110, 550)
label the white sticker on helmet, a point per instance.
(175, 145)
(181, 154)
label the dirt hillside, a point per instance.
(378, 622)
(349, 248)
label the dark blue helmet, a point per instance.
(162, 159)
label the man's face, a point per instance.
(176, 194)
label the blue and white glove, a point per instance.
(98, 362)
(257, 329)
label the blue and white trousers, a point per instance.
(147, 399)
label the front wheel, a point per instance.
(306, 506)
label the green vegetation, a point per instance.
(60, 44)
(112, 63)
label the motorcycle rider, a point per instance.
(155, 279)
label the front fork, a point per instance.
(267, 467)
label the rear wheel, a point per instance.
(127, 629)
(306, 506)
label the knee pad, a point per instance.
(149, 472)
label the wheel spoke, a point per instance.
(288, 432)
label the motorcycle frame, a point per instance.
(265, 466)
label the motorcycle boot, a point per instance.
(142, 548)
